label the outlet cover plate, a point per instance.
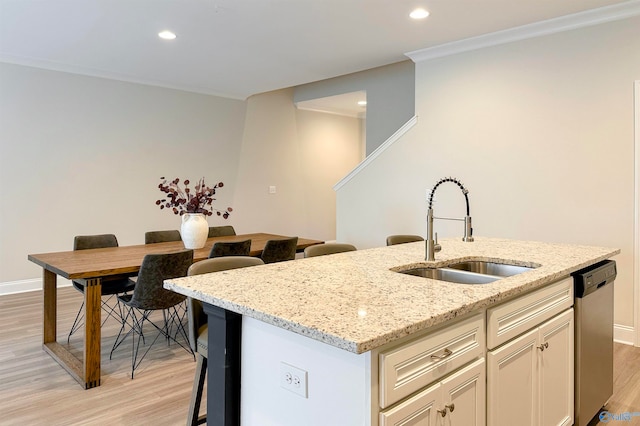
(293, 379)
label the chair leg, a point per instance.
(196, 394)
(114, 311)
(173, 318)
(119, 340)
(137, 325)
(76, 322)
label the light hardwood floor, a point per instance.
(626, 386)
(35, 390)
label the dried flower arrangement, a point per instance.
(183, 200)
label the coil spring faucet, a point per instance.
(432, 244)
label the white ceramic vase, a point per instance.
(194, 230)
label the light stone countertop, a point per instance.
(354, 301)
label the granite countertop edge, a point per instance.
(288, 280)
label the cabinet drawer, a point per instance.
(414, 365)
(506, 321)
(420, 409)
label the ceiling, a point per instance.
(236, 48)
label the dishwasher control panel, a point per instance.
(590, 279)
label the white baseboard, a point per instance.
(22, 286)
(624, 334)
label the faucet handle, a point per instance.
(436, 247)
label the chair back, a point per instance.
(221, 231)
(113, 284)
(328, 248)
(279, 250)
(84, 242)
(230, 248)
(196, 315)
(155, 268)
(153, 237)
(401, 239)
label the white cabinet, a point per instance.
(555, 365)
(414, 365)
(464, 396)
(530, 378)
(441, 378)
(457, 400)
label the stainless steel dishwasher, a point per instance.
(593, 310)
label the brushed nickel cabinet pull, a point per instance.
(450, 407)
(543, 346)
(443, 412)
(447, 353)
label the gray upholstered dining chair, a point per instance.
(111, 286)
(198, 329)
(279, 250)
(328, 248)
(401, 239)
(152, 237)
(149, 295)
(221, 231)
(230, 248)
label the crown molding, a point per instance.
(90, 72)
(574, 21)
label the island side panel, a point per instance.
(338, 381)
(223, 366)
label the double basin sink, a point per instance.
(469, 272)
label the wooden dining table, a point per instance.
(90, 267)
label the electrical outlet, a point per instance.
(293, 379)
(272, 189)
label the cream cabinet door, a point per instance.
(464, 396)
(419, 410)
(512, 382)
(530, 379)
(556, 370)
(458, 400)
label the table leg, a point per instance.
(50, 304)
(223, 365)
(92, 335)
(87, 370)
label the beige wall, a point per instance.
(540, 131)
(303, 154)
(83, 155)
(390, 97)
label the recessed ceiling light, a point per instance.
(419, 13)
(166, 35)
(362, 103)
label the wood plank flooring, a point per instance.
(626, 386)
(35, 390)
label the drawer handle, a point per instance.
(543, 346)
(446, 354)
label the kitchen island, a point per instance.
(334, 317)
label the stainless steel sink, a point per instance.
(469, 272)
(451, 275)
(490, 268)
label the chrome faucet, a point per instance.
(432, 244)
